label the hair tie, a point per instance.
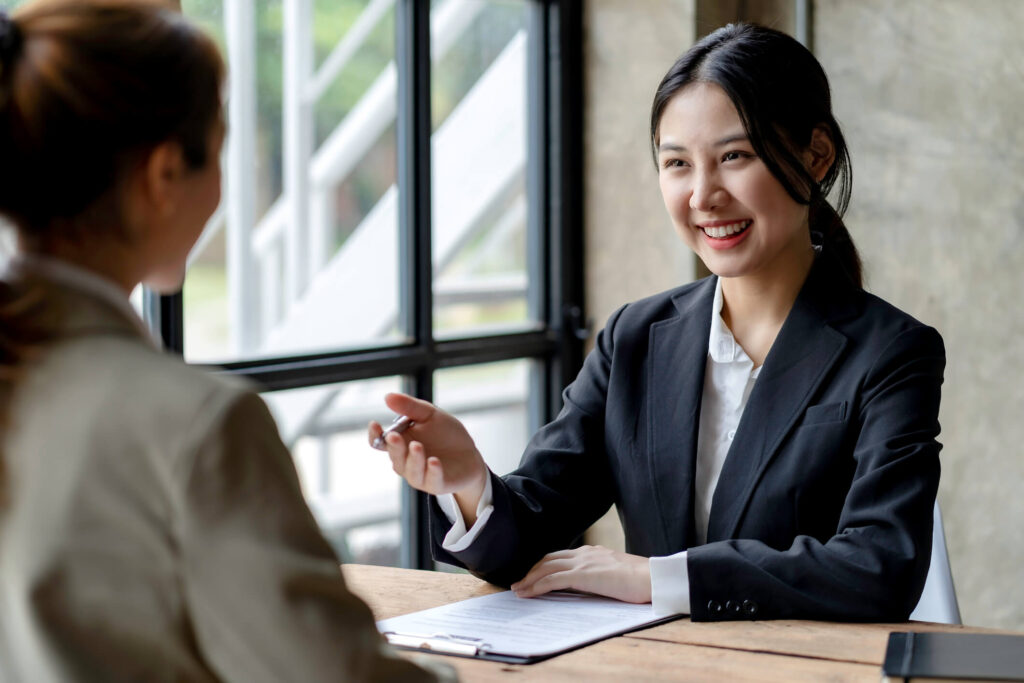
(10, 41)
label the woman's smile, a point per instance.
(724, 234)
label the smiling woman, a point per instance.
(767, 433)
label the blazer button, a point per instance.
(751, 608)
(714, 607)
(733, 607)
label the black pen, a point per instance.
(397, 426)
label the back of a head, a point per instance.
(86, 88)
(781, 94)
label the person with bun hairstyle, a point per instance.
(152, 527)
(768, 433)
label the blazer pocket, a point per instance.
(826, 412)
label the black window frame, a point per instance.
(555, 246)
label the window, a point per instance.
(401, 210)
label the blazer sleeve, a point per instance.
(563, 484)
(874, 567)
(265, 594)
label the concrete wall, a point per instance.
(631, 248)
(930, 95)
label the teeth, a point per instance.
(725, 230)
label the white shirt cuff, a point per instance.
(670, 585)
(458, 538)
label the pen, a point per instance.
(398, 425)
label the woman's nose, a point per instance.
(707, 193)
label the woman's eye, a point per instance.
(732, 156)
(674, 163)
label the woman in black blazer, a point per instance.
(768, 434)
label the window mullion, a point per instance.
(164, 314)
(415, 265)
(537, 224)
(564, 82)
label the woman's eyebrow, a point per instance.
(727, 140)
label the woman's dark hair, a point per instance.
(87, 89)
(781, 94)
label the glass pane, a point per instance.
(302, 255)
(351, 488)
(492, 401)
(479, 147)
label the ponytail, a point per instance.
(25, 328)
(830, 233)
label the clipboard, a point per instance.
(504, 628)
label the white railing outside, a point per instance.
(288, 293)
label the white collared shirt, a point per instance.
(729, 378)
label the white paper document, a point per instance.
(501, 625)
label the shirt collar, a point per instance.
(722, 346)
(78, 279)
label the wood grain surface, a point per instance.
(676, 651)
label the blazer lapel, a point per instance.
(802, 355)
(678, 353)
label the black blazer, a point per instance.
(823, 509)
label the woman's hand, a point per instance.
(591, 569)
(436, 455)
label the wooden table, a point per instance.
(680, 650)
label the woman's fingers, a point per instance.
(556, 581)
(416, 466)
(562, 554)
(403, 404)
(412, 464)
(553, 563)
(592, 569)
(433, 477)
(373, 431)
(396, 452)
(436, 454)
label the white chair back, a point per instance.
(938, 601)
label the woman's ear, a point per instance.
(151, 192)
(161, 172)
(820, 153)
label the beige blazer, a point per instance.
(155, 529)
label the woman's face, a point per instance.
(197, 196)
(724, 202)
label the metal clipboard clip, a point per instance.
(439, 642)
